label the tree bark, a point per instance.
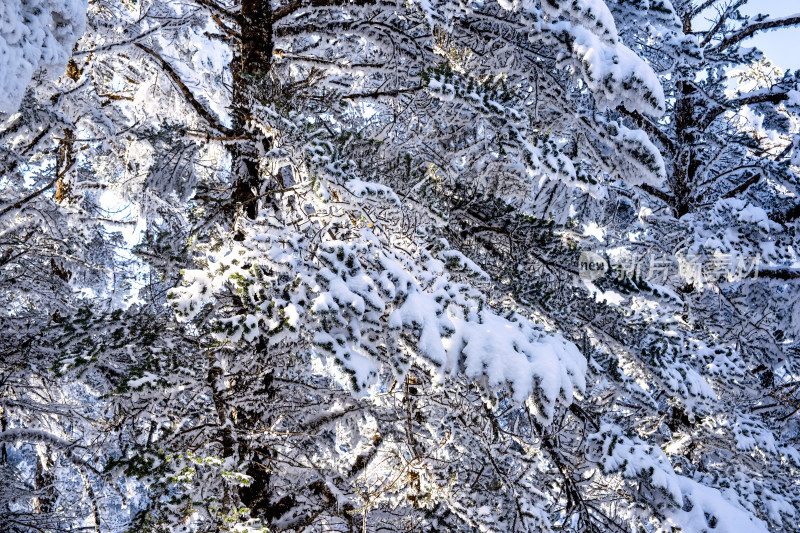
(685, 164)
(64, 161)
(251, 73)
(257, 44)
(249, 70)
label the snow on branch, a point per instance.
(752, 29)
(187, 94)
(33, 35)
(293, 7)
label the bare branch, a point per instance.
(702, 7)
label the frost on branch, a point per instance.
(366, 235)
(35, 34)
(615, 74)
(372, 308)
(682, 502)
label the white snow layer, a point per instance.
(35, 34)
(616, 75)
(362, 296)
(699, 508)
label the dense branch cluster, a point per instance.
(334, 265)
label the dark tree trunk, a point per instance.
(256, 36)
(3, 427)
(43, 482)
(685, 162)
(251, 70)
(64, 161)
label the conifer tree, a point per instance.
(319, 265)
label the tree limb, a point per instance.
(291, 7)
(377, 94)
(785, 274)
(215, 7)
(714, 112)
(657, 193)
(741, 188)
(187, 94)
(721, 21)
(31, 196)
(750, 30)
(647, 125)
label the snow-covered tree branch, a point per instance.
(333, 265)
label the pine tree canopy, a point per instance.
(382, 266)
